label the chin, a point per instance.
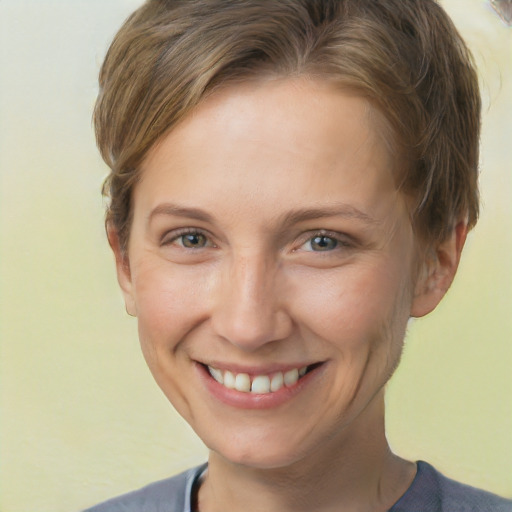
(259, 450)
(259, 458)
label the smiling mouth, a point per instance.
(259, 384)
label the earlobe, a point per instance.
(124, 277)
(438, 272)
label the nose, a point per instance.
(249, 307)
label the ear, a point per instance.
(438, 272)
(124, 277)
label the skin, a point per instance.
(223, 268)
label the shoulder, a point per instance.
(169, 495)
(433, 492)
(457, 496)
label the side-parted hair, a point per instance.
(404, 56)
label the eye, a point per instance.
(325, 241)
(193, 240)
(322, 243)
(321, 248)
(188, 239)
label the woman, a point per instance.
(290, 182)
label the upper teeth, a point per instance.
(258, 383)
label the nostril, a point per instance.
(251, 329)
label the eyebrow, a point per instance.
(333, 210)
(175, 210)
(288, 219)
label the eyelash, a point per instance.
(340, 241)
(172, 237)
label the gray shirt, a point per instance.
(430, 491)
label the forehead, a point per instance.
(272, 143)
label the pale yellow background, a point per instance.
(81, 419)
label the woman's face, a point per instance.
(268, 240)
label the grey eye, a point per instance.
(323, 243)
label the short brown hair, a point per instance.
(405, 56)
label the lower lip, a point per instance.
(247, 400)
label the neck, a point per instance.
(354, 470)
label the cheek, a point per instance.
(168, 307)
(169, 304)
(353, 309)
